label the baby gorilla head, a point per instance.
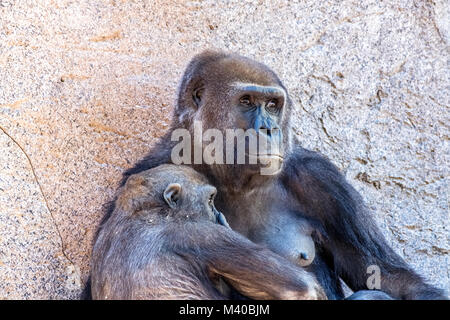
(176, 193)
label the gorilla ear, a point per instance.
(197, 95)
(172, 194)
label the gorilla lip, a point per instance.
(266, 155)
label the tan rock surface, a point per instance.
(32, 263)
(86, 87)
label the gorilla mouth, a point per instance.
(269, 163)
(273, 156)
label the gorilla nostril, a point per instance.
(266, 131)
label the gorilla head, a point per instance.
(241, 98)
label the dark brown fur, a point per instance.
(309, 186)
(149, 250)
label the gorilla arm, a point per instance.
(254, 271)
(354, 240)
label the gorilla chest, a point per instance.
(289, 236)
(283, 231)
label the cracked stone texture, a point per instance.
(32, 264)
(86, 87)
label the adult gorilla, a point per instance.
(227, 91)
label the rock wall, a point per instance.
(86, 87)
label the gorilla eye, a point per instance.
(245, 100)
(272, 106)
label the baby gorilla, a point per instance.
(166, 240)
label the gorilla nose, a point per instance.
(268, 131)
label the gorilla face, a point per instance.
(258, 110)
(246, 102)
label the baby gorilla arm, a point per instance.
(256, 272)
